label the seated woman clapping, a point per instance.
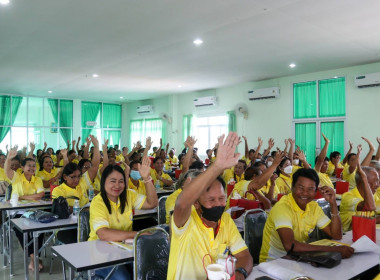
(111, 210)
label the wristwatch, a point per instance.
(242, 271)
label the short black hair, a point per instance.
(316, 159)
(199, 165)
(156, 159)
(307, 173)
(350, 155)
(250, 172)
(334, 155)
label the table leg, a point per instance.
(9, 247)
(4, 238)
(26, 270)
(63, 270)
(70, 273)
(11, 251)
(2, 231)
(36, 263)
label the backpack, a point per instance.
(61, 208)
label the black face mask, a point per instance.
(212, 214)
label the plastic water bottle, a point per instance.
(76, 208)
(158, 186)
(91, 193)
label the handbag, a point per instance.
(323, 259)
(40, 216)
(362, 225)
(61, 208)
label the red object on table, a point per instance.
(177, 173)
(207, 161)
(363, 226)
(338, 172)
(52, 187)
(230, 188)
(342, 187)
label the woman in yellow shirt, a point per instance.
(47, 172)
(111, 210)
(27, 187)
(135, 183)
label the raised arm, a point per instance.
(366, 161)
(7, 165)
(77, 146)
(270, 146)
(95, 159)
(86, 150)
(377, 157)
(31, 151)
(348, 152)
(190, 142)
(302, 157)
(256, 154)
(148, 145)
(246, 149)
(291, 149)
(44, 149)
(105, 156)
(322, 155)
(226, 158)
(167, 148)
(261, 180)
(286, 146)
(368, 203)
(151, 195)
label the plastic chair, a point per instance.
(84, 224)
(151, 254)
(161, 210)
(8, 192)
(253, 224)
(318, 234)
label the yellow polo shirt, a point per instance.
(153, 174)
(101, 218)
(229, 175)
(287, 214)
(21, 186)
(174, 159)
(331, 168)
(190, 243)
(284, 184)
(170, 203)
(167, 165)
(348, 205)
(79, 191)
(140, 189)
(265, 189)
(324, 180)
(46, 176)
(120, 158)
(349, 177)
(3, 175)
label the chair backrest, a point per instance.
(8, 192)
(254, 222)
(151, 254)
(325, 207)
(161, 211)
(84, 224)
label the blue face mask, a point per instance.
(135, 175)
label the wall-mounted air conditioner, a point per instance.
(144, 109)
(368, 80)
(264, 93)
(205, 101)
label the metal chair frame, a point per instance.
(161, 209)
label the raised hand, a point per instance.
(167, 146)
(125, 152)
(301, 155)
(270, 143)
(328, 194)
(45, 144)
(12, 152)
(286, 142)
(94, 141)
(88, 141)
(326, 139)
(190, 141)
(278, 157)
(371, 147)
(350, 143)
(127, 169)
(79, 138)
(260, 141)
(63, 153)
(105, 145)
(73, 144)
(32, 146)
(226, 157)
(292, 141)
(144, 168)
(245, 138)
(148, 143)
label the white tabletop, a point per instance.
(25, 204)
(164, 191)
(145, 212)
(27, 225)
(347, 269)
(93, 254)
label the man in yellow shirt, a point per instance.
(199, 225)
(321, 165)
(363, 197)
(158, 175)
(334, 163)
(296, 215)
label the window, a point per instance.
(207, 130)
(319, 107)
(35, 119)
(102, 120)
(141, 129)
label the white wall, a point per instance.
(273, 117)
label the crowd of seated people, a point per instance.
(282, 180)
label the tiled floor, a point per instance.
(19, 266)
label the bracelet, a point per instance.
(148, 180)
(334, 215)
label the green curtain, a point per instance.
(306, 140)
(140, 129)
(335, 132)
(305, 100)
(332, 100)
(90, 112)
(231, 121)
(111, 115)
(113, 136)
(135, 131)
(6, 120)
(187, 125)
(65, 116)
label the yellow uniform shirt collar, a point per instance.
(115, 205)
(295, 205)
(26, 180)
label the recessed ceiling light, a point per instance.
(50, 91)
(4, 2)
(335, 77)
(121, 97)
(198, 42)
(292, 65)
(95, 75)
(179, 86)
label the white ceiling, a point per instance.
(142, 49)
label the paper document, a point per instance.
(122, 245)
(364, 244)
(278, 272)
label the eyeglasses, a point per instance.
(75, 177)
(86, 166)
